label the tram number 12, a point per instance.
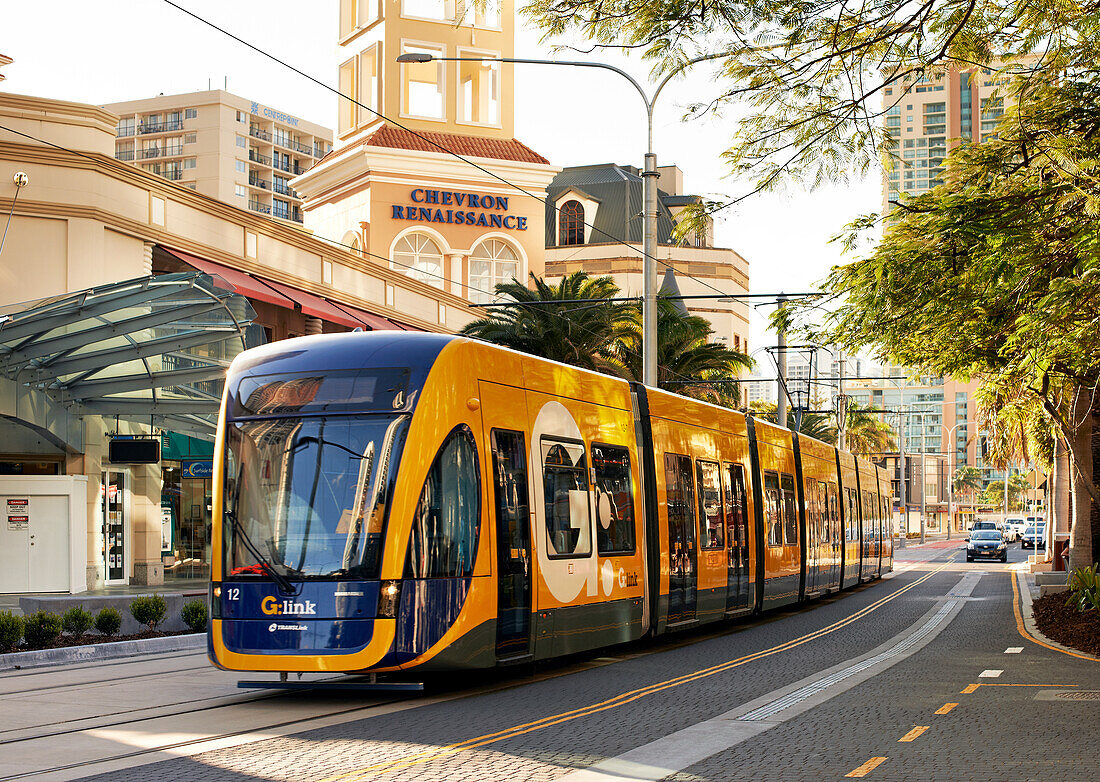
(233, 593)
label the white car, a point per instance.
(1014, 527)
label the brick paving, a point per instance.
(982, 738)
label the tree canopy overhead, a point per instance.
(813, 75)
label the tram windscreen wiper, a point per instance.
(285, 586)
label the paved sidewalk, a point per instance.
(188, 588)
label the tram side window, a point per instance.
(823, 509)
(852, 520)
(510, 487)
(868, 521)
(443, 542)
(834, 511)
(790, 511)
(710, 504)
(772, 509)
(680, 497)
(565, 489)
(614, 499)
(733, 480)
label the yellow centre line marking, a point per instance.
(866, 768)
(914, 733)
(969, 689)
(946, 708)
(436, 753)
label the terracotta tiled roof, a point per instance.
(472, 146)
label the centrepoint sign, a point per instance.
(448, 206)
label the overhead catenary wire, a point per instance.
(421, 136)
(130, 169)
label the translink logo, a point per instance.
(272, 607)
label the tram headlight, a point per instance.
(389, 596)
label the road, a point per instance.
(924, 675)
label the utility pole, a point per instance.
(901, 457)
(781, 364)
(923, 489)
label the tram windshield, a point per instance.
(307, 497)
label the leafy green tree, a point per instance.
(546, 321)
(996, 274)
(688, 362)
(809, 81)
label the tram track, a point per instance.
(104, 762)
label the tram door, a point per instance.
(512, 520)
(836, 535)
(682, 541)
(813, 535)
(737, 537)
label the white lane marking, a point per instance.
(990, 673)
(684, 748)
(770, 709)
(1014, 650)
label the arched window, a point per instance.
(571, 223)
(491, 263)
(418, 256)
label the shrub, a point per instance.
(11, 630)
(194, 615)
(1084, 588)
(41, 629)
(149, 610)
(108, 621)
(77, 621)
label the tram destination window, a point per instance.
(565, 498)
(367, 390)
(710, 505)
(614, 499)
(790, 511)
(446, 522)
(772, 509)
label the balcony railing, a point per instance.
(256, 206)
(296, 215)
(282, 211)
(160, 127)
(255, 181)
(120, 132)
(258, 133)
(279, 187)
(174, 175)
(256, 157)
(124, 154)
(318, 153)
(303, 149)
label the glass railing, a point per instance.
(175, 176)
(258, 133)
(256, 157)
(126, 154)
(255, 181)
(256, 206)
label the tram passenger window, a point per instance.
(710, 505)
(443, 542)
(823, 510)
(733, 480)
(680, 499)
(772, 509)
(510, 488)
(851, 525)
(614, 499)
(790, 511)
(565, 490)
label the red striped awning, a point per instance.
(241, 282)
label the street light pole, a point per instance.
(649, 184)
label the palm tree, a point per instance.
(688, 362)
(534, 323)
(967, 480)
(865, 434)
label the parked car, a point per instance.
(1014, 527)
(1034, 537)
(986, 544)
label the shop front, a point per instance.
(186, 504)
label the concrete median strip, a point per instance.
(686, 747)
(104, 651)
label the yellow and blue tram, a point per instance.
(392, 502)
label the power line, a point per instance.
(421, 136)
(130, 169)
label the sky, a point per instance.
(114, 50)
